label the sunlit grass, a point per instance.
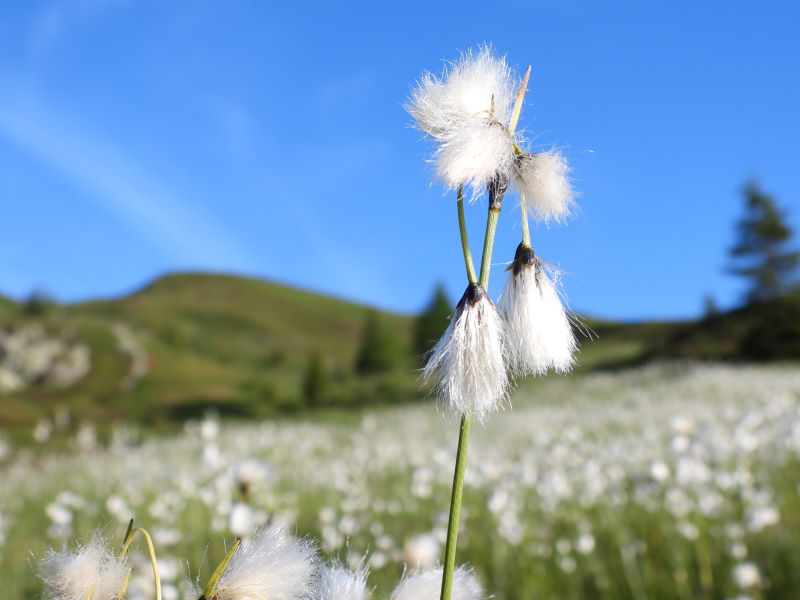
(650, 483)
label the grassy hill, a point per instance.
(190, 342)
(232, 344)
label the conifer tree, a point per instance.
(315, 380)
(761, 254)
(378, 350)
(432, 322)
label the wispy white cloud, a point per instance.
(164, 217)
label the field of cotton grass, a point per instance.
(672, 481)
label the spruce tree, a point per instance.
(315, 380)
(378, 351)
(432, 322)
(761, 254)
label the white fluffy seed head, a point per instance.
(340, 583)
(474, 155)
(466, 111)
(427, 585)
(273, 565)
(71, 575)
(477, 84)
(543, 181)
(540, 335)
(467, 365)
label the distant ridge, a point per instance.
(224, 342)
(186, 343)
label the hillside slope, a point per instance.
(190, 342)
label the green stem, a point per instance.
(488, 246)
(455, 507)
(462, 228)
(495, 204)
(123, 588)
(463, 436)
(150, 552)
(466, 421)
(153, 561)
(90, 591)
(211, 586)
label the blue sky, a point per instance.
(269, 139)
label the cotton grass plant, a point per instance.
(471, 112)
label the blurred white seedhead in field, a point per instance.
(427, 585)
(422, 550)
(92, 571)
(539, 332)
(272, 565)
(241, 519)
(43, 430)
(747, 575)
(59, 515)
(542, 179)
(250, 474)
(340, 583)
(466, 111)
(467, 365)
(209, 428)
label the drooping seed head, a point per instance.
(540, 335)
(467, 365)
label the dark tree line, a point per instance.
(379, 350)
